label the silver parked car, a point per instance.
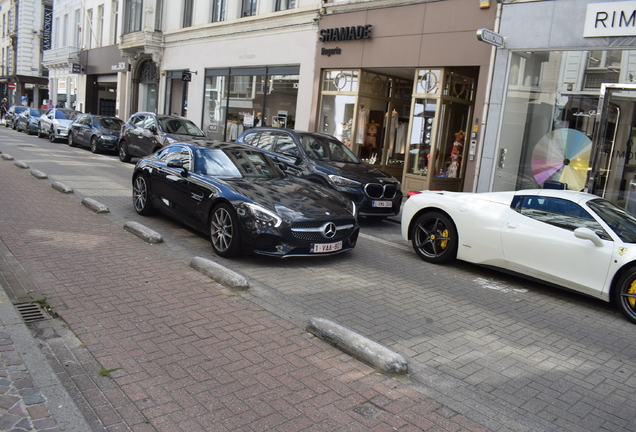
(55, 123)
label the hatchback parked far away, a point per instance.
(145, 133)
(324, 160)
(97, 132)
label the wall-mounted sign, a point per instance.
(330, 51)
(186, 76)
(120, 66)
(610, 19)
(47, 28)
(491, 37)
(76, 68)
(345, 33)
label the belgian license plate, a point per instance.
(325, 247)
(382, 204)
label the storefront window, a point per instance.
(424, 114)
(550, 134)
(236, 101)
(336, 117)
(214, 107)
(340, 81)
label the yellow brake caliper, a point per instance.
(444, 243)
(632, 290)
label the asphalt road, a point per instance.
(501, 350)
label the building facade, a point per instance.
(25, 34)
(563, 105)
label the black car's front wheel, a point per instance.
(224, 231)
(141, 196)
(94, 146)
(625, 294)
(434, 237)
(123, 152)
(71, 140)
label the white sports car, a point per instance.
(572, 239)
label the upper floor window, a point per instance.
(158, 15)
(602, 67)
(218, 10)
(114, 21)
(100, 25)
(249, 8)
(187, 13)
(133, 14)
(285, 4)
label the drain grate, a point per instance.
(31, 312)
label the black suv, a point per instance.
(145, 133)
(325, 160)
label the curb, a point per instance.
(221, 274)
(97, 207)
(143, 232)
(360, 347)
(38, 174)
(59, 186)
(21, 164)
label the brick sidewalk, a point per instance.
(186, 352)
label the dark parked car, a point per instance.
(238, 196)
(27, 120)
(95, 131)
(325, 160)
(145, 133)
(12, 114)
(55, 122)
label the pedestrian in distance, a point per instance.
(4, 107)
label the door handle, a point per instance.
(512, 226)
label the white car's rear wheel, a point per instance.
(434, 237)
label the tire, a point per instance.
(71, 143)
(224, 231)
(94, 146)
(40, 133)
(123, 152)
(141, 196)
(52, 135)
(624, 294)
(28, 130)
(434, 237)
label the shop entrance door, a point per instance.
(613, 172)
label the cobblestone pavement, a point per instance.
(177, 351)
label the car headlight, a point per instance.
(353, 209)
(168, 140)
(264, 216)
(343, 181)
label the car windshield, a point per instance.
(34, 112)
(621, 222)
(19, 109)
(180, 126)
(327, 149)
(234, 163)
(109, 122)
(65, 114)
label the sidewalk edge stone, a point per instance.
(219, 273)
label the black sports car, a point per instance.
(244, 201)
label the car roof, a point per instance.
(570, 195)
(292, 131)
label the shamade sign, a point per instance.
(345, 33)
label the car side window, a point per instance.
(285, 145)
(138, 121)
(251, 138)
(558, 212)
(266, 141)
(176, 152)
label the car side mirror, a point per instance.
(153, 129)
(588, 234)
(282, 166)
(178, 163)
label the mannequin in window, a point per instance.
(363, 119)
(372, 132)
(456, 156)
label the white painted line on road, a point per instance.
(386, 242)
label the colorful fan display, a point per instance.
(562, 155)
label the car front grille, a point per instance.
(312, 230)
(380, 191)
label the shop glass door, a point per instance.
(613, 172)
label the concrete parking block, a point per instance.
(359, 346)
(143, 232)
(96, 206)
(7, 157)
(38, 174)
(220, 274)
(21, 164)
(61, 187)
